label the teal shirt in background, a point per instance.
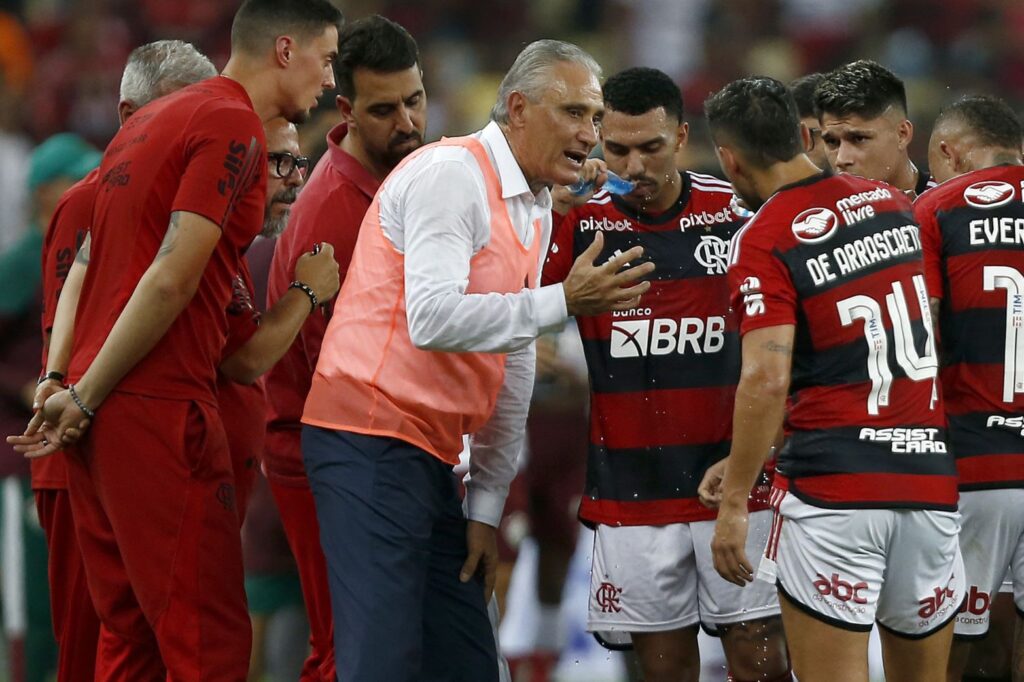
(21, 273)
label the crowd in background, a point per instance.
(61, 62)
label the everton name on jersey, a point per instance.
(663, 375)
(839, 257)
(972, 232)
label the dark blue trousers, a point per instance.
(394, 537)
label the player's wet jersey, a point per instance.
(663, 375)
(839, 257)
(972, 231)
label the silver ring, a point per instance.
(46, 442)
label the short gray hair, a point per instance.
(159, 68)
(528, 73)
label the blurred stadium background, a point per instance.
(61, 60)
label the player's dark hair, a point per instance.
(990, 119)
(373, 43)
(802, 90)
(639, 90)
(258, 23)
(758, 115)
(862, 88)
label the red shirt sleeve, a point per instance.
(931, 247)
(559, 260)
(68, 226)
(225, 157)
(243, 318)
(760, 288)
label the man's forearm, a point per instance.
(496, 447)
(277, 331)
(759, 409)
(58, 352)
(756, 420)
(145, 319)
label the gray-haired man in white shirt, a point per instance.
(379, 415)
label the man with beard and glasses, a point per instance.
(384, 108)
(257, 341)
(182, 194)
(652, 575)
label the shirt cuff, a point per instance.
(484, 506)
(549, 303)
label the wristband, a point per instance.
(55, 376)
(91, 414)
(308, 290)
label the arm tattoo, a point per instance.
(777, 348)
(171, 237)
(83, 252)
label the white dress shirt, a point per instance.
(435, 211)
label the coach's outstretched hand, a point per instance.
(594, 289)
(728, 546)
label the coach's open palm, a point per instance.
(594, 289)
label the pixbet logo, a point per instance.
(607, 597)
(705, 219)
(605, 225)
(840, 589)
(663, 335)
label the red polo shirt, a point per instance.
(330, 209)
(200, 150)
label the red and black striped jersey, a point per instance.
(839, 257)
(972, 233)
(663, 375)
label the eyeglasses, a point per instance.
(286, 163)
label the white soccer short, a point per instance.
(991, 539)
(852, 567)
(659, 578)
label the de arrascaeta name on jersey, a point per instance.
(817, 225)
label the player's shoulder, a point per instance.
(986, 188)
(83, 192)
(708, 187)
(599, 204)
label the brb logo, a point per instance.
(661, 336)
(607, 597)
(815, 225)
(713, 254)
(988, 194)
(839, 589)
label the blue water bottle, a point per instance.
(614, 184)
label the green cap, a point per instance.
(62, 155)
